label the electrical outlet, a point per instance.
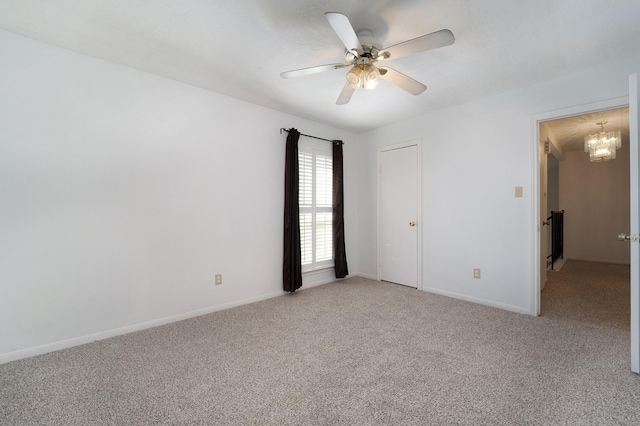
(218, 279)
(476, 273)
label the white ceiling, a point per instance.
(239, 48)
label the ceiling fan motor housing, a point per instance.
(370, 49)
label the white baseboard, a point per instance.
(81, 340)
(316, 278)
(317, 283)
(480, 301)
(370, 277)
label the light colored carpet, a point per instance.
(353, 352)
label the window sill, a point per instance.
(318, 271)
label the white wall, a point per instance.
(122, 194)
(595, 197)
(473, 157)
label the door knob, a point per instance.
(623, 237)
(412, 223)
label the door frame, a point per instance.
(634, 158)
(418, 144)
(536, 285)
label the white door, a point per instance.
(634, 117)
(398, 209)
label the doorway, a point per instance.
(399, 219)
(634, 161)
(539, 269)
(594, 195)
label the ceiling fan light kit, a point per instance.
(363, 50)
(363, 76)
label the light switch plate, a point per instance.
(518, 191)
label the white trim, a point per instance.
(320, 282)
(89, 338)
(368, 276)
(81, 340)
(318, 277)
(534, 254)
(535, 284)
(480, 301)
(318, 271)
(634, 157)
(418, 144)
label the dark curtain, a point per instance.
(338, 213)
(292, 262)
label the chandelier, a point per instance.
(602, 145)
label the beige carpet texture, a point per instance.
(354, 352)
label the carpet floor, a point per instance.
(353, 352)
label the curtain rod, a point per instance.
(309, 136)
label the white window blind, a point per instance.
(316, 199)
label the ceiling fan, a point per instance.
(364, 50)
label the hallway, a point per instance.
(595, 294)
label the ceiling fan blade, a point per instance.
(402, 81)
(311, 70)
(345, 95)
(341, 25)
(419, 44)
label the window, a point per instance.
(316, 204)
